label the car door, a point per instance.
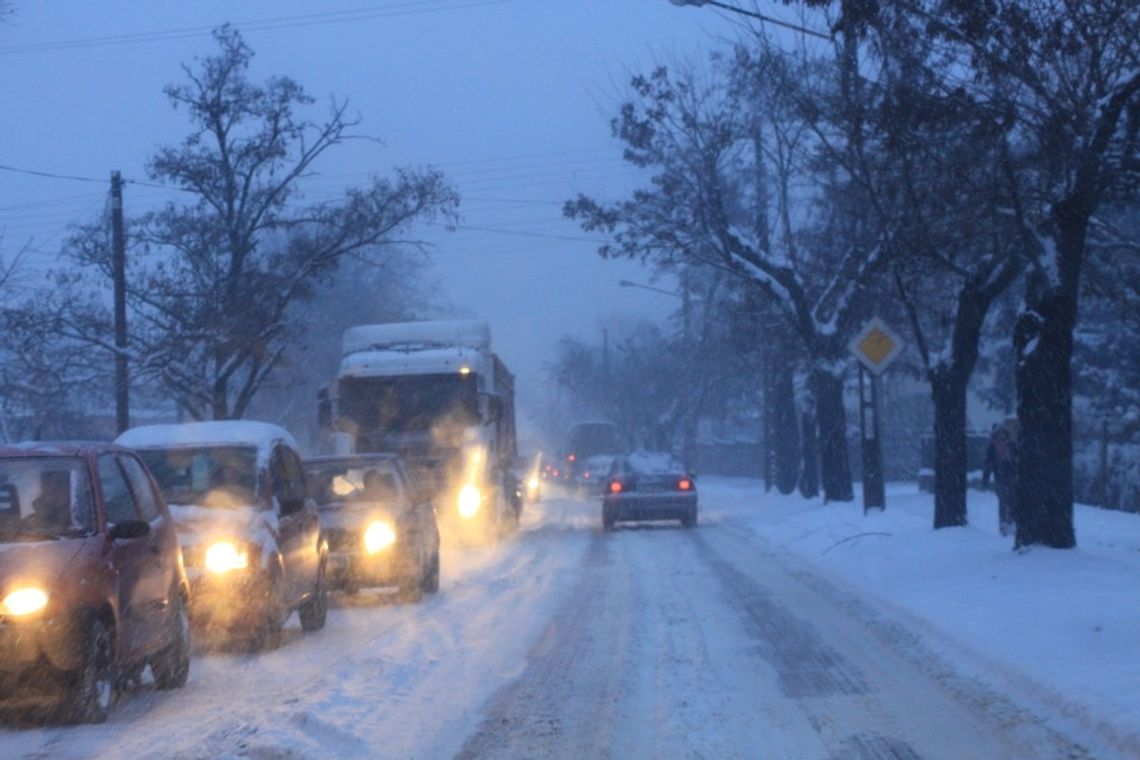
(136, 564)
(299, 526)
(422, 510)
(162, 542)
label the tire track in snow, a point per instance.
(909, 709)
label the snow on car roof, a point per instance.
(654, 461)
(261, 435)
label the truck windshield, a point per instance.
(589, 439)
(204, 476)
(411, 403)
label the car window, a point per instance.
(45, 496)
(288, 478)
(140, 485)
(117, 495)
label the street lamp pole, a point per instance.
(753, 14)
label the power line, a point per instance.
(51, 175)
(281, 22)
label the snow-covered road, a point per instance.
(568, 642)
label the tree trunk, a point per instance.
(786, 454)
(835, 466)
(809, 472)
(948, 386)
(1043, 501)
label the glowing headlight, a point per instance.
(469, 501)
(532, 484)
(24, 601)
(379, 536)
(223, 557)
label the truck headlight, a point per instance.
(379, 536)
(469, 501)
(24, 601)
(223, 557)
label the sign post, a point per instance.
(875, 346)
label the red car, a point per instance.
(92, 586)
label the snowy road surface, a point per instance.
(568, 642)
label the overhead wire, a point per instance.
(417, 7)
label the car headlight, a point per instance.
(532, 484)
(223, 557)
(379, 536)
(469, 501)
(24, 601)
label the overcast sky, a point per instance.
(511, 98)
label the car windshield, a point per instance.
(210, 476)
(335, 484)
(44, 498)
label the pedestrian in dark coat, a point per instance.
(1001, 462)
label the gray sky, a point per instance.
(511, 98)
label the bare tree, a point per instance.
(213, 281)
(1066, 78)
(702, 143)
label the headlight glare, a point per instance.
(223, 557)
(24, 601)
(469, 501)
(379, 536)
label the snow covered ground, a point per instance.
(762, 633)
(1058, 628)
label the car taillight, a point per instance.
(615, 487)
(556, 473)
(685, 484)
(570, 457)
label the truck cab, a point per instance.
(434, 393)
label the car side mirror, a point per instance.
(130, 529)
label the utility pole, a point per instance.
(119, 275)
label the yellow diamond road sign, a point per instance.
(876, 345)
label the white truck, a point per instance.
(436, 394)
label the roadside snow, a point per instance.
(1059, 627)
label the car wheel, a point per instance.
(266, 635)
(171, 667)
(314, 611)
(431, 580)
(93, 690)
(691, 520)
(411, 588)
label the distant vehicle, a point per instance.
(530, 484)
(381, 527)
(649, 485)
(437, 395)
(92, 586)
(585, 440)
(592, 473)
(251, 536)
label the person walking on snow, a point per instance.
(1001, 462)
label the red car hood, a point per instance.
(39, 562)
